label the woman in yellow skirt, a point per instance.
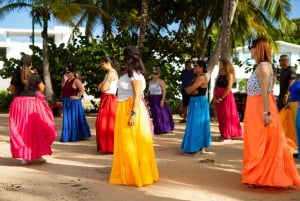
(268, 159)
(134, 160)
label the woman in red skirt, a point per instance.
(105, 121)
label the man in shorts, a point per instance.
(187, 76)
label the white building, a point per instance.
(15, 41)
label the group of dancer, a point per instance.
(266, 147)
(130, 137)
(32, 128)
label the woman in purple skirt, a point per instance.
(161, 114)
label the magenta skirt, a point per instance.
(228, 118)
(32, 128)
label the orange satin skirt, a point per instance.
(268, 159)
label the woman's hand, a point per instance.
(131, 120)
(161, 104)
(218, 100)
(266, 119)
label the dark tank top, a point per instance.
(33, 81)
(222, 81)
(68, 90)
(201, 92)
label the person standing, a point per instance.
(229, 124)
(286, 107)
(31, 122)
(105, 121)
(197, 134)
(134, 160)
(161, 114)
(187, 76)
(74, 124)
(268, 160)
(294, 90)
(287, 77)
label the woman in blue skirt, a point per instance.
(197, 134)
(74, 126)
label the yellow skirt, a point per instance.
(134, 160)
(288, 120)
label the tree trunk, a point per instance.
(223, 42)
(204, 45)
(222, 48)
(143, 24)
(46, 72)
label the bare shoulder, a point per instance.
(264, 68)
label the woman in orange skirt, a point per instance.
(268, 159)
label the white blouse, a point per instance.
(125, 90)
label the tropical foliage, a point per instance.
(168, 32)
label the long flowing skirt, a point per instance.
(229, 124)
(32, 128)
(74, 124)
(268, 159)
(162, 117)
(298, 128)
(134, 160)
(288, 120)
(105, 123)
(197, 132)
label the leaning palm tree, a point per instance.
(238, 25)
(42, 11)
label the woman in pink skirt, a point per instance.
(32, 129)
(229, 124)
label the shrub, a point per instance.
(5, 99)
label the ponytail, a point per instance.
(25, 70)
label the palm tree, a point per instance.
(143, 24)
(257, 21)
(42, 11)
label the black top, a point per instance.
(286, 75)
(33, 82)
(222, 81)
(201, 92)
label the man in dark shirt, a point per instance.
(187, 76)
(287, 77)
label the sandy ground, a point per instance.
(76, 172)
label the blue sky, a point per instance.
(22, 20)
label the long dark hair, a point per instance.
(133, 61)
(25, 70)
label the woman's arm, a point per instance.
(163, 90)
(105, 85)
(229, 86)
(200, 81)
(78, 84)
(136, 86)
(263, 74)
